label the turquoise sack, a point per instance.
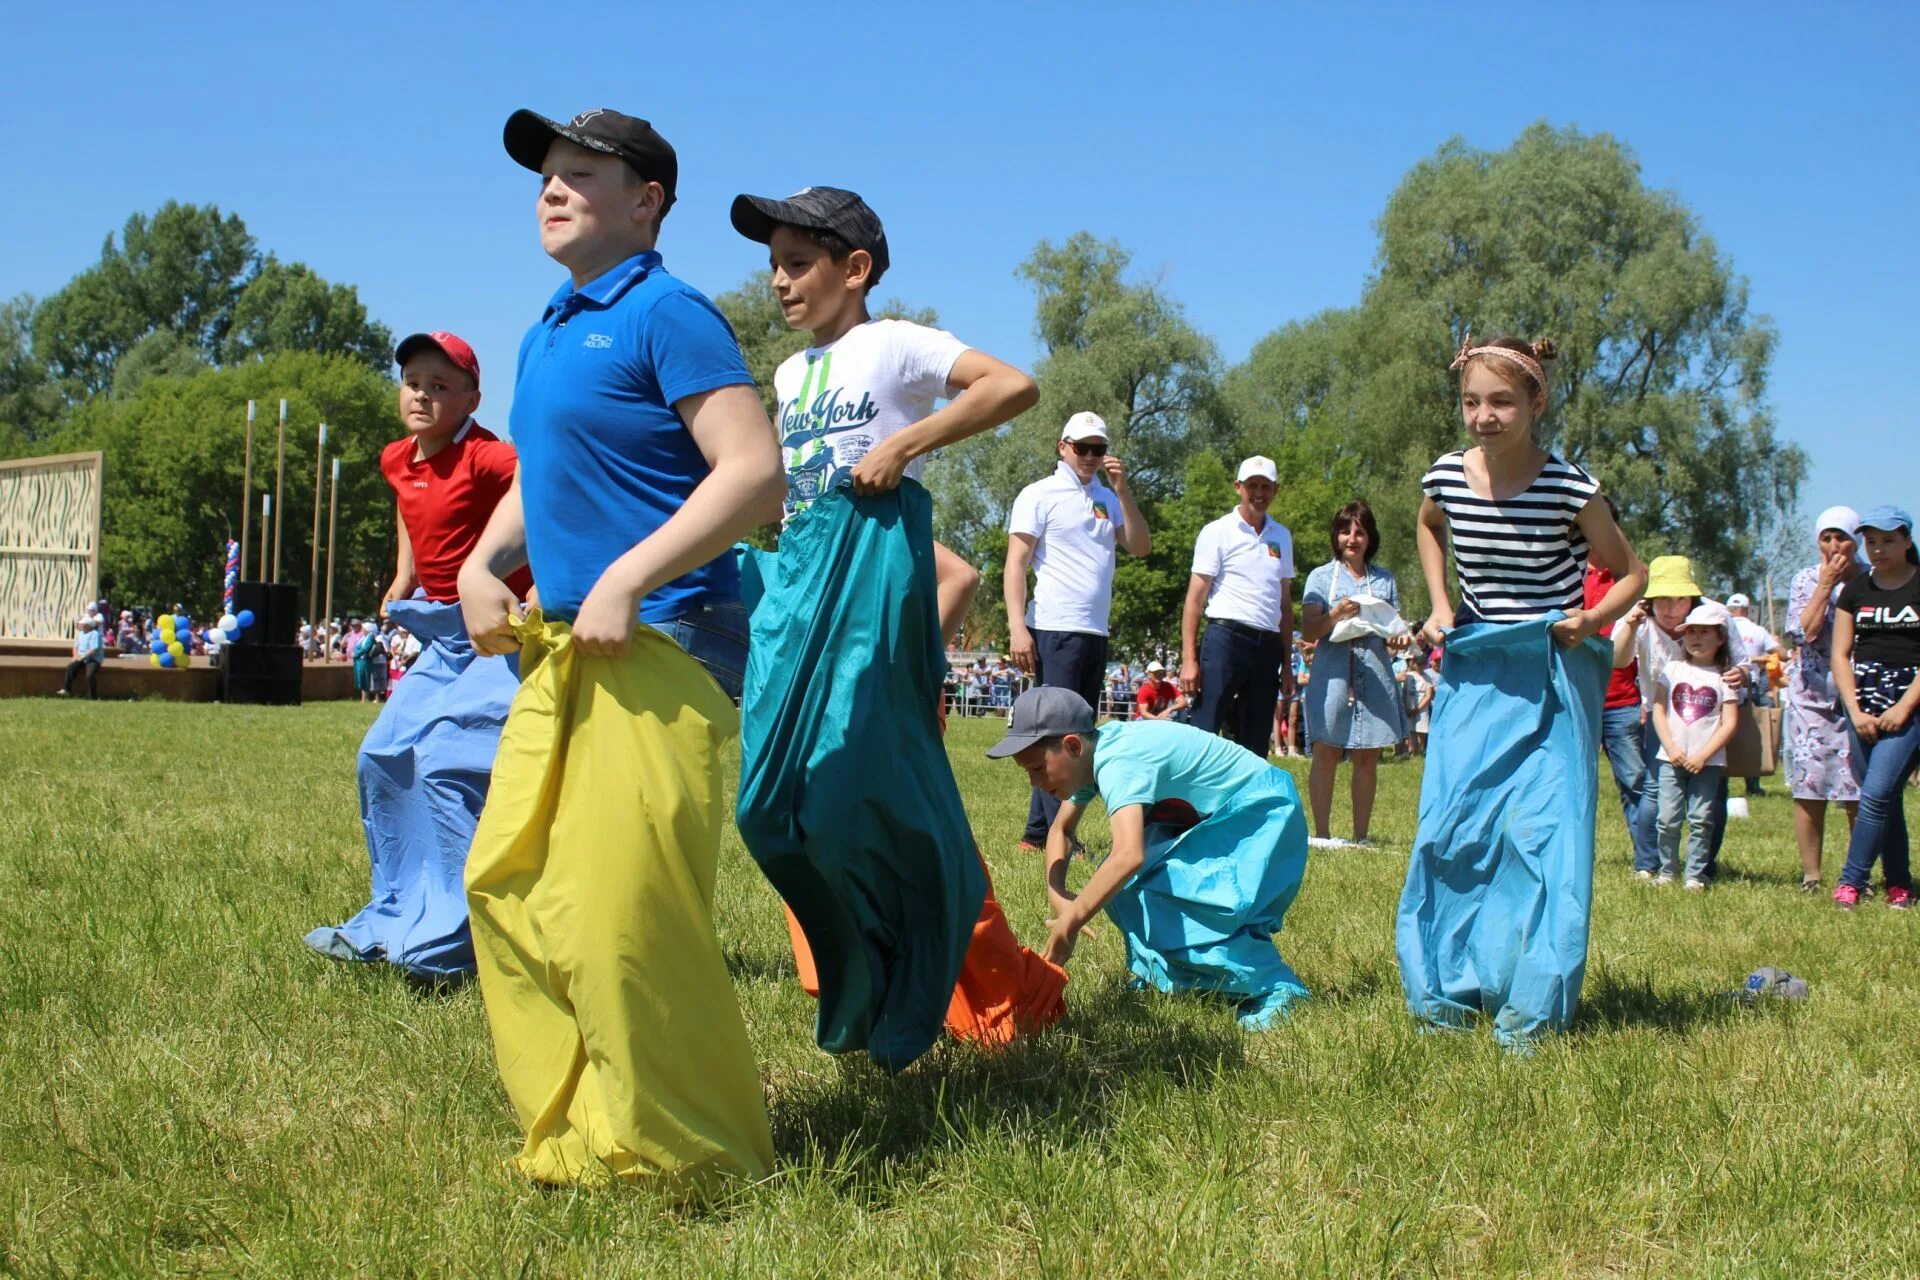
(847, 800)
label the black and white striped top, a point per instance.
(1520, 557)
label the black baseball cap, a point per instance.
(528, 135)
(818, 209)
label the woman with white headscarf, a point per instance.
(1820, 760)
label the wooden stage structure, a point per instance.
(32, 669)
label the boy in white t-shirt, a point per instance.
(857, 408)
(1694, 714)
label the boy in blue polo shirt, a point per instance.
(1209, 848)
(644, 455)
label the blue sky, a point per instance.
(1240, 152)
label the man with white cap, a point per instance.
(1158, 698)
(1758, 642)
(88, 654)
(1243, 579)
(1066, 527)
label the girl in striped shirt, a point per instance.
(1523, 522)
(1494, 917)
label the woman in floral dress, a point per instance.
(1820, 763)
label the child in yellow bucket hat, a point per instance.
(1651, 635)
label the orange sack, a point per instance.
(1004, 989)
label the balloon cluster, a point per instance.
(173, 633)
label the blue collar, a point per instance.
(607, 288)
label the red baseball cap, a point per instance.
(450, 345)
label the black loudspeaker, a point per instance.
(262, 674)
(276, 614)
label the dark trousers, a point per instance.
(93, 676)
(1072, 660)
(1239, 683)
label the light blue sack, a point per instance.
(1499, 890)
(847, 799)
(424, 768)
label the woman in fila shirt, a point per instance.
(1876, 664)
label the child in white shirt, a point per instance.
(1695, 715)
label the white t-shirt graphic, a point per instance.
(840, 400)
(1695, 698)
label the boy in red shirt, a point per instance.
(426, 762)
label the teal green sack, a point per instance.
(847, 800)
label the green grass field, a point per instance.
(185, 1090)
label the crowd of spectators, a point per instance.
(381, 651)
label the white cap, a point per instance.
(1738, 600)
(1084, 425)
(1160, 667)
(1258, 466)
(1707, 614)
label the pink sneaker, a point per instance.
(1899, 899)
(1846, 897)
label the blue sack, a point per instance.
(424, 768)
(847, 799)
(1214, 887)
(1499, 890)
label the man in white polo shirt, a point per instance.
(1066, 527)
(1243, 578)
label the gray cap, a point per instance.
(1040, 713)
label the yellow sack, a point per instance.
(590, 883)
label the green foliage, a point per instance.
(29, 400)
(196, 273)
(286, 307)
(175, 449)
(1125, 351)
(180, 270)
(161, 354)
(1660, 386)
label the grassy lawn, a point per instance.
(185, 1090)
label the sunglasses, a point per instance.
(1089, 448)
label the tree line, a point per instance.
(1659, 390)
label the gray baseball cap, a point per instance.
(1040, 713)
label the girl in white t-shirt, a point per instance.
(1694, 714)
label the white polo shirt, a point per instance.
(1247, 568)
(1073, 526)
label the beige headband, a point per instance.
(1527, 362)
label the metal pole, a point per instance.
(266, 513)
(333, 521)
(246, 491)
(279, 483)
(313, 574)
